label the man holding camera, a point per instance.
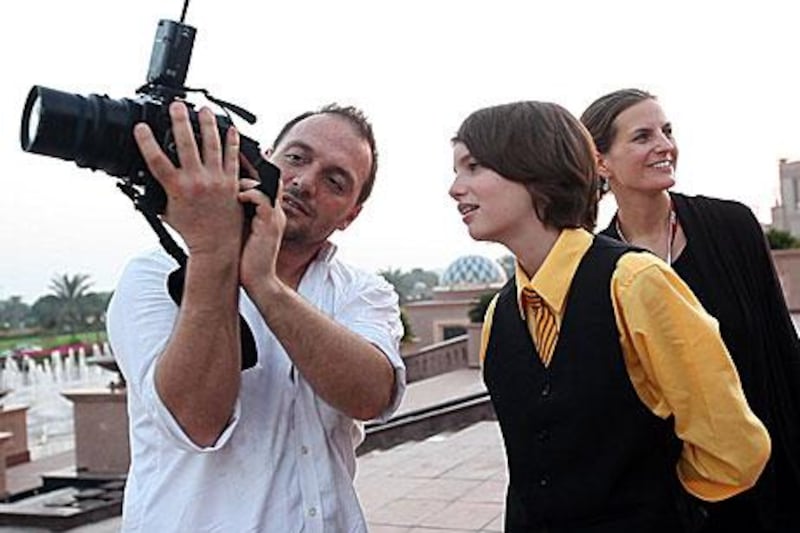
(271, 447)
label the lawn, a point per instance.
(51, 342)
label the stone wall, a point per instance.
(787, 264)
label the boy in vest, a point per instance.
(613, 389)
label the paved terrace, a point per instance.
(448, 483)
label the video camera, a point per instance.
(96, 131)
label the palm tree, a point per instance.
(70, 292)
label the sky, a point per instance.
(726, 74)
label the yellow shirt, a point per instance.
(676, 360)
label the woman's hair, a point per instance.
(600, 115)
(542, 146)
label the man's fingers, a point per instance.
(245, 184)
(188, 154)
(250, 192)
(231, 156)
(154, 157)
(212, 147)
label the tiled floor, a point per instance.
(449, 483)
(446, 484)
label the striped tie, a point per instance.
(544, 328)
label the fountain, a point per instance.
(70, 403)
(36, 387)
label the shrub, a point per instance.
(781, 240)
(478, 311)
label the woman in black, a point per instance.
(718, 248)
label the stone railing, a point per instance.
(436, 359)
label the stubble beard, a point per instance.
(294, 235)
(297, 237)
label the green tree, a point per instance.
(46, 312)
(417, 284)
(421, 283)
(478, 311)
(14, 313)
(94, 309)
(408, 333)
(70, 293)
(781, 240)
(395, 278)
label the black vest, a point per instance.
(584, 453)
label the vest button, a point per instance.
(543, 482)
(543, 435)
(545, 392)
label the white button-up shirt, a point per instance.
(286, 461)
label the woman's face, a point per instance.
(491, 206)
(643, 152)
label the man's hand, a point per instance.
(198, 374)
(201, 192)
(259, 258)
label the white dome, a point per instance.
(473, 270)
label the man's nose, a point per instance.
(302, 181)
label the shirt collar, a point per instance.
(553, 279)
(326, 252)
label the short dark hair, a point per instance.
(358, 120)
(544, 147)
(600, 115)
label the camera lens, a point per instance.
(96, 132)
(93, 131)
(32, 128)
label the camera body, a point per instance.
(96, 131)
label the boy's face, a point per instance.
(493, 208)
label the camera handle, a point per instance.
(166, 240)
(246, 115)
(175, 281)
(246, 340)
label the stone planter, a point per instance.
(474, 343)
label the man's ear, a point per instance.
(350, 217)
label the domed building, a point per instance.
(471, 271)
(461, 285)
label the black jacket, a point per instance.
(738, 285)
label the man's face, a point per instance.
(324, 164)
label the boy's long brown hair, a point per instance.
(544, 147)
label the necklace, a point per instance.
(672, 229)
